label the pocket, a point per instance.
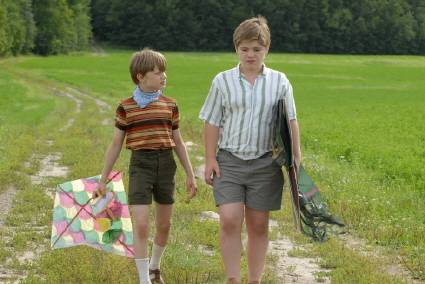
(275, 163)
(134, 162)
(167, 161)
(174, 163)
(221, 156)
(136, 159)
(141, 163)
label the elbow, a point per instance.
(116, 146)
(179, 143)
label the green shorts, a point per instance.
(152, 173)
(257, 183)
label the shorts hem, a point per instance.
(217, 204)
(165, 203)
(140, 203)
(259, 208)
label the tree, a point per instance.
(62, 25)
(5, 37)
(331, 26)
(81, 23)
(30, 27)
(418, 10)
(17, 27)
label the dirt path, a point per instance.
(49, 167)
(6, 200)
(102, 105)
(77, 108)
(305, 270)
(392, 265)
(290, 269)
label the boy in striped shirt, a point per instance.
(238, 118)
(150, 123)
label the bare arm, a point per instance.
(111, 157)
(183, 156)
(211, 133)
(296, 142)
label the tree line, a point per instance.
(318, 26)
(311, 26)
(44, 26)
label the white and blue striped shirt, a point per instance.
(244, 111)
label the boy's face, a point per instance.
(251, 54)
(152, 81)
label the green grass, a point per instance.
(363, 133)
(21, 110)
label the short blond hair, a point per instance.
(252, 29)
(144, 61)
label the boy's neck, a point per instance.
(253, 71)
(146, 90)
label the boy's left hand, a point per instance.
(191, 187)
(101, 190)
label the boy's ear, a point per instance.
(139, 77)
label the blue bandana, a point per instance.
(143, 99)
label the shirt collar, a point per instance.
(264, 72)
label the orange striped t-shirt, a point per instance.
(150, 127)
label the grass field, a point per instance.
(362, 123)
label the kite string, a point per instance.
(82, 207)
(72, 220)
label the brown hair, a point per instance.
(252, 29)
(144, 61)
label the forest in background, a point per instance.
(306, 26)
(44, 26)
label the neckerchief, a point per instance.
(143, 98)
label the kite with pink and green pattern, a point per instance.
(88, 229)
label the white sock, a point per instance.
(157, 252)
(142, 265)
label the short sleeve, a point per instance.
(211, 111)
(121, 118)
(290, 102)
(175, 118)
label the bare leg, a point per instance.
(257, 223)
(140, 217)
(231, 219)
(163, 223)
(140, 214)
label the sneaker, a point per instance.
(155, 276)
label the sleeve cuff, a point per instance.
(121, 127)
(209, 121)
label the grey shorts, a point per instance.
(152, 173)
(257, 183)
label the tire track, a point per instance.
(50, 167)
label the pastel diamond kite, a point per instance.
(102, 223)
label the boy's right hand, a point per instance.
(211, 169)
(101, 189)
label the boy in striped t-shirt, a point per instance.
(149, 121)
(238, 118)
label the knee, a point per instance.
(258, 230)
(229, 226)
(163, 227)
(141, 231)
